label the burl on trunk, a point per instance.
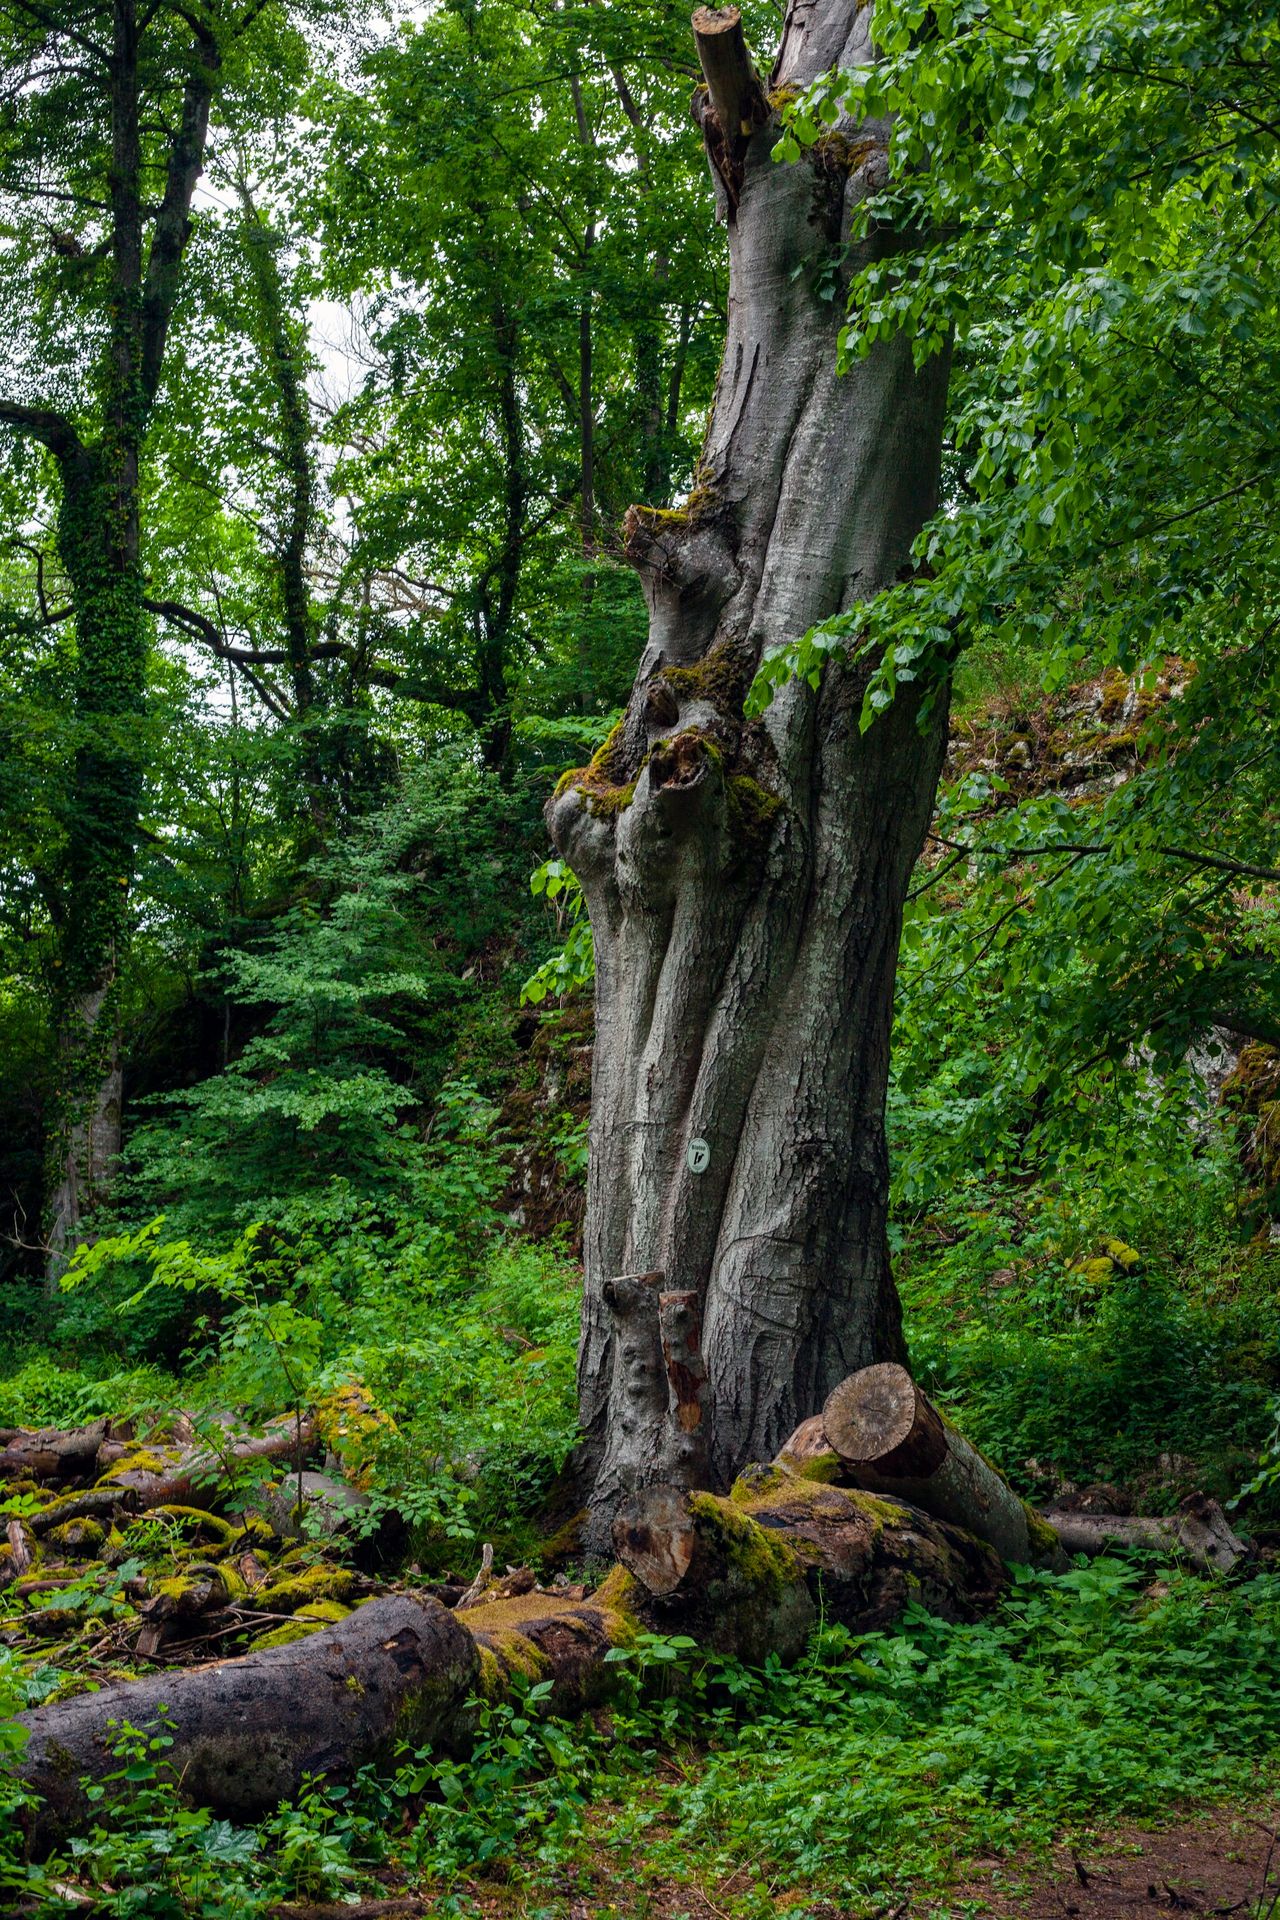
(745, 879)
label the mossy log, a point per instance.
(158, 1476)
(889, 1438)
(746, 1575)
(751, 1574)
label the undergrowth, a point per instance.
(884, 1761)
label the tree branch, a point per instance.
(51, 428)
(173, 220)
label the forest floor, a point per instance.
(1206, 1860)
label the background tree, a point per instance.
(104, 130)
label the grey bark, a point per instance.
(1198, 1532)
(246, 1732)
(746, 896)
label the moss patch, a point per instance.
(756, 1555)
(299, 1590)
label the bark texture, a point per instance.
(745, 880)
(246, 1731)
(1199, 1532)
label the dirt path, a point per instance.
(1220, 1862)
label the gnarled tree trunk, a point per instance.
(745, 880)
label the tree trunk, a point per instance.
(98, 548)
(745, 880)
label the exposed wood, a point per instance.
(1199, 1531)
(475, 1591)
(680, 1329)
(892, 1440)
(879, 1418)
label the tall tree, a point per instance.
(746, 878)
(538, 356)
(103, 131)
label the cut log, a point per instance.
(246, 1731)
(1199, 1531)
(750, 1574)
(891, 1439)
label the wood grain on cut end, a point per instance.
(653, 1536)
(708, 20)
(878, 1417)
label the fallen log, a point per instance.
(878, 1431)
(1199, 1531)
(246, 1731)
(745, 1575)
(198, 1467)
(52, 1453)
(891, 1439)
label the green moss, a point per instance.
(81, 1538)
(1125, 1257)
(196, 1520)
(138, 1460)
(752, 812)
(514, 1654)
(721, 678)
(756, 1480)
(758, 1555)
(283, 1636)
(299, 1590)
(324, 1612)
(606, 782)
(1046, 1547)
(490, 1680)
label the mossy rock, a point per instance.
(308, 1620)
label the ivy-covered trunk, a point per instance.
(98, 548)
(746, 878)
(150, 164)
